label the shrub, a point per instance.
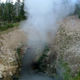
(76, 77)
(6, 26)
(0, 23)
(17, 19)
(77, 11)
(39, 65)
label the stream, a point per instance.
(27, 72)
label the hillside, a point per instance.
(9, 41)
(65, 49)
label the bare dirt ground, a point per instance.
(8, 43)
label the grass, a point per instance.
(65, 42)
(67, 74)
(1, 43)
(40, 61)
(67, 71)
(76, 77)
(16, 24)
(9, 28)
(18, 50)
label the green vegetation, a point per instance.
(1, 43)
(12, 12)
(66, 41)
(76, 77)
(39, 65)
(67, 71)
(16, 76)
(40, 61)
(19, 53)
(77, 12)
(5, 25)
(16, 24)
(67, 74)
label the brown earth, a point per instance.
(8, 44)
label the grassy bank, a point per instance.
(5, 25)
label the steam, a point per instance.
(41, 25)
(43, 16)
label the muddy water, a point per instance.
(27, 73)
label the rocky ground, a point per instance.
(9, 42)
(66, 47)
(66, 43)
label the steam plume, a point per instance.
(41, 24)
(43, 16)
